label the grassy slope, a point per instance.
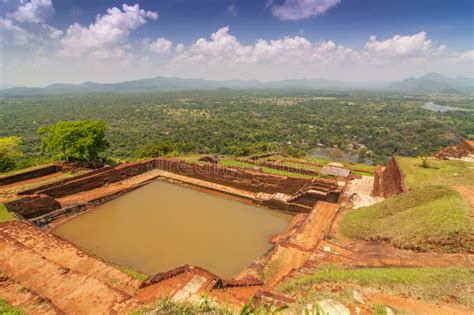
(4, 214)
(430, 284)
(432, 216)
(446, 173)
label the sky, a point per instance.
(73, 41)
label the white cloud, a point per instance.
(223, 56)
(467, 56)
(109, 32)
(232, 9)
(179, 48)
(402, 46)
(301, 9)
(15, 34)
(224, 48)
(33, 11)
(160, 46)
(25, 29)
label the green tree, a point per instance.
(335, 154)
(155, 149)
(82, 140)
(9, 152)
(164, 148)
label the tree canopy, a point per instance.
(163, 148)
(82, 140)
(9, 152)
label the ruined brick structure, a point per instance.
(215, 282)
(280, 167)
(33, 206)
(461, 150)
(388, 181)
(43, 171)
(233, 177)
(209, 159)
(297, 194)
(93, 179)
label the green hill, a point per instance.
(432, 216)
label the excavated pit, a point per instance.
(162, 225)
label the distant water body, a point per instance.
(439, 108)
(350, 156)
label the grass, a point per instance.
(379, 309)
(6, 308)
(37, 183)
(440, 172)
(206, 306)
(191, 158)
(5, 215)
(133, 273)
(433, 218)
(166, 306)
(429, 284)
(233, 163)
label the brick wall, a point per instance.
(236, 178)
(33, 206)
(389, 181)
(43, 171)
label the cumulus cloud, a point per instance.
(467, 56)
(25, 28)
(402, 46)
(224, 48)
(33, 11)
(179, 48)
(224, 56)
(160, 46)
(301, 9)
(109, 33)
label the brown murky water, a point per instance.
(162, 226)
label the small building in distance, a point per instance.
(335, 171)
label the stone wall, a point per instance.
(94, 179)
(33, 206)
(280, 167)
(389, 181)
(38, 190)
(43, 171)
(236, 178)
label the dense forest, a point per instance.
(230, 122)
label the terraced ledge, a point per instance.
(72, 280)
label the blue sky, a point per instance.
(311, 38)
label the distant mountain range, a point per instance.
(435, 83)
(430, 83)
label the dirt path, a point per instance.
(294, 252)
(468, 194)
(376, 254)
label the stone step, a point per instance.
(68, 256)
(70, 291)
